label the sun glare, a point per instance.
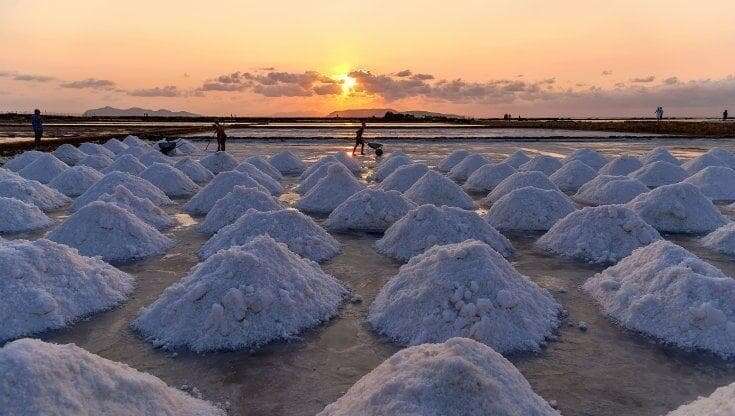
(348, 84)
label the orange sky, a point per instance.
(143, 45)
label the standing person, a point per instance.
(724, 115)
(219, 130)
(659, 113)
(37, 124)
(359, 140)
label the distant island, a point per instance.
(386, 113)
(136, 112)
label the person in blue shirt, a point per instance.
(37, 124)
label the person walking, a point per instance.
(724, 115)
(659, 113)
(219, 131)
(37, 125)
(359, 141)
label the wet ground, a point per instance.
(602, 371)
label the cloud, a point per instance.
(422, 77)
(328, 89)
(607, 73)
(404, 73)
(167, 91)
(275, 84)
(644, 80)
(671, 81)
(32, 78)
(91, 83)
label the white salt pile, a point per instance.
(194, 170)
(46, 285)
(219, 162)
(520, 180)
(149, 158)
(98, 162)
(462, 170)
(721, 240)
(678, 208)
(541, 163)
(720, 403)
(529, 209)
(20, 161)
(353, 165)
(404, 177)
(666, 292)
(135, 151)
(621, 166)
(326, 160)
(173, 182)
(96, 149)
(517, 159)
(428, 225)
(185, 147)
(115, 146)
(389, 166)
(234, 205)
(138, 186)
(217, 188)
(142, 208)
(724, 155)
(134, 141)
(264, 180)
(44, 169)
(589, 157)
(464, 290)
(609, 190)
(435, 188)
(69, 154)
(602, 234)
(451, 160)
(659, 173)
(458, 377)
(33, 192)
(330, 191)
(241, 298)
(67, 380)
(107, 230)
(287, 163)
(371, 209)
(700, 162)
(125, 163)
(9, 174)
(317, 174)
(571, 176)
(661, 154)
(75, 181)
(716, 182)
(487, 177)
(299, 232)
(262, 163)
(19, 216)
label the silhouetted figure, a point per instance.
(659, 113)
(219, 130)
(724, 115)
(37, 124)
(359, 141)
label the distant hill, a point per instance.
(380, 113)
(136, 112)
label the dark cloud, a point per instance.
(643, 80)
(167, 91)
(607, 73)
(275, 84)
(671, 81)
(91, 83)
(328, 89)
(32, 78)
(404, 73)
(422, 77)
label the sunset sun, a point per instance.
(348, 83)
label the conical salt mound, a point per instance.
(330, 191)
(9, 174)
(138, 186)
(46, 285)
(75, 181)
(111, 232)
(134, 141)
(44, 169)
(450, 161)
(135, 151)
(719, 403)
(125, 163)
(20, 161)
(435, 188)
(571, 176)
(517, 159)
(98, 162)
(621, 166)
(458, 377)
(115, 146)
(234, 205)
(173, 182)
(185, 147)
(589, 157)
(300, 233)
(695, 165)
(520, 180)
(217, 188)
(462, 170)
(264, 180)
(262, 163)
(678, 208)
(666, 292)
(142, 208)
(541, 163)
(326, 160)
(287, 163)
(194, 170)
(69, 154)
(602, 234)
(19, 216)
(72, 381)
(372, 210)
(487, 177)
(659, 154)
(316, 175)
(242, 298)
(96, 149)
(721, 240)
(389, 166)
(428, 225)
(219, 162)
(609, 190)
(353, 165)
(724, 155)
(33, 192)
(149, 158)
(659, 173)
(529, 209)
(716, 183)
(404, 177)
(464, 290)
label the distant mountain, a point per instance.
(136, 112)
(380, 112)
